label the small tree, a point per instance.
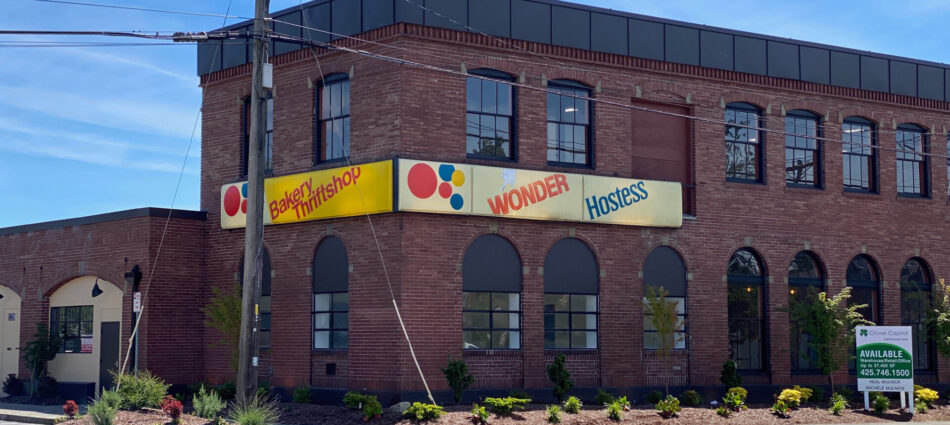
(940, 312)
(558, 374)
(38, 352)
(223, 313)
(459, 379)
(666, 322)
(729, 376)
(829, 323)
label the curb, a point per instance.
(33, 419)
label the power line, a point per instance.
(142, 9)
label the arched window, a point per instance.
(743, 144)
(333, 118)
(865, 284)
(859, 155)
(802, 149)
(490, 115)
(331, 298)
(805, 281)
(491, 295)
(569, 124)
(916, 293)
(664, 269)
(571, 279)
(268, 106)
(265, 296)
(913, 176)
(746, 284)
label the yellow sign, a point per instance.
(435, 187)
(337, 192)
(633, 202)
(539, 195)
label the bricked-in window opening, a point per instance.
(805, 281)
(665, 268)
(743, 144)
(491, 295)
(331, 299)
(859, 155)
(802, 149)
(489, 116)
(571, 279)
(73, 324)
(268, 136)
(913, 177)
(746, 305)
(265, 305)
(916, 296)
(333, 118)
(569, 124)
(864, 281)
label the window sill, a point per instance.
(858, 193)
(502, 352)
(571, 351)
(913, 196)
(751, 184)
(570, 165)
(328, 351)
(803, 186)
(502, 159)
(320, 165)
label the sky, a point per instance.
(89, 130)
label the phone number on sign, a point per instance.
(884, 372)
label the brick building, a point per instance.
(551, 105)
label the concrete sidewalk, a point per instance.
(30, 413)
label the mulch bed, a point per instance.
(142, 417)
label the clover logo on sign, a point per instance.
(864, 332)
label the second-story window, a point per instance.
(489, 116)
(802, 150)
(569, 124)
(268, 136)
(743, 143)
(912, 172)
(859, 155)
(333, 118)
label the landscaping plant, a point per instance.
(838, 404)
(302, 394)
(573, 405)
(255, 411)
(817, 394)
(70, 409)
(518, 394)
(691, 398)
(668, 407)
(805, 392)
(459, 379)
(504, 406)
(781, 409)
(654, 397)
(742, 392)
(622, 401)
(207, 404)
(603, 398)
(940, 318)
(554, 414)
(479, 415)
(729, 376)
(791, 398)
(662, 314)
(37, 353)
(558, 374)
(880, 403)
(372, 408)
(354, 400)
(111, 398)
(13, 386)
(422, 412)
(223, 313)
(172, 408)
(614, 411)
(733, 401)
(723, 411)
(925, 395)
(140, 390)
(920, 407)
(101, 413)
(227, 390)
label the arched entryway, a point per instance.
(9, 331)
(88, 312)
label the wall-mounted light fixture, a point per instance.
(96, 291)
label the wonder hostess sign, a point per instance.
(884, 358)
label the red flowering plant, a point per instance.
(172, 408)
(70, 409)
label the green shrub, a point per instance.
(302, 394)
(614, 411)
(479, 414)
(372, 408)
(926, 395)
(459, 379)
(781, 409)
(920, 407)
(654, 397)
(422, 412)
(227, 390)
(604, 398)
(257, 411)
(263, 389)
(691, 398)
(111, 398)
(730, 375)
(140, 390)
(837, 407)
(845, 392)
(101, 413)
(518, 394)
(881, 403)
(804, 392)
(354, 400)
(742, 392)
(554, 414)
(573, 405)
(723, 411)
(668, 407)
(622, 401)
(791, 398)
(504, 406)
(733, 401)
(558, 374)
(207, 404)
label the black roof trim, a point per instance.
(103, 218)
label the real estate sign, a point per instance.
(884, 358)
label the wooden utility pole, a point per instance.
(254, 229)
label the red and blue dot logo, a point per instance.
(235, 199)
(423, 182)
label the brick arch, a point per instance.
(820, 257)
(583, 238)
(758, 100)
(931, 276)
(677, 250)
(589, 80)
(862, 112)
(329, 69)
(491, 64)
(816, 108)
(500, 232)
(48, 288)
(876, 265)
(758, 251)
(654, 86)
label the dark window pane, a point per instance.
(340, 339)
(504, 99)
(489, 97)
(473, 94)
(475, 300)
(341, 320)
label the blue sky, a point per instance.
(88, 130)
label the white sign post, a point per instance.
(885, 361)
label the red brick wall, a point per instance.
(413, 113)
